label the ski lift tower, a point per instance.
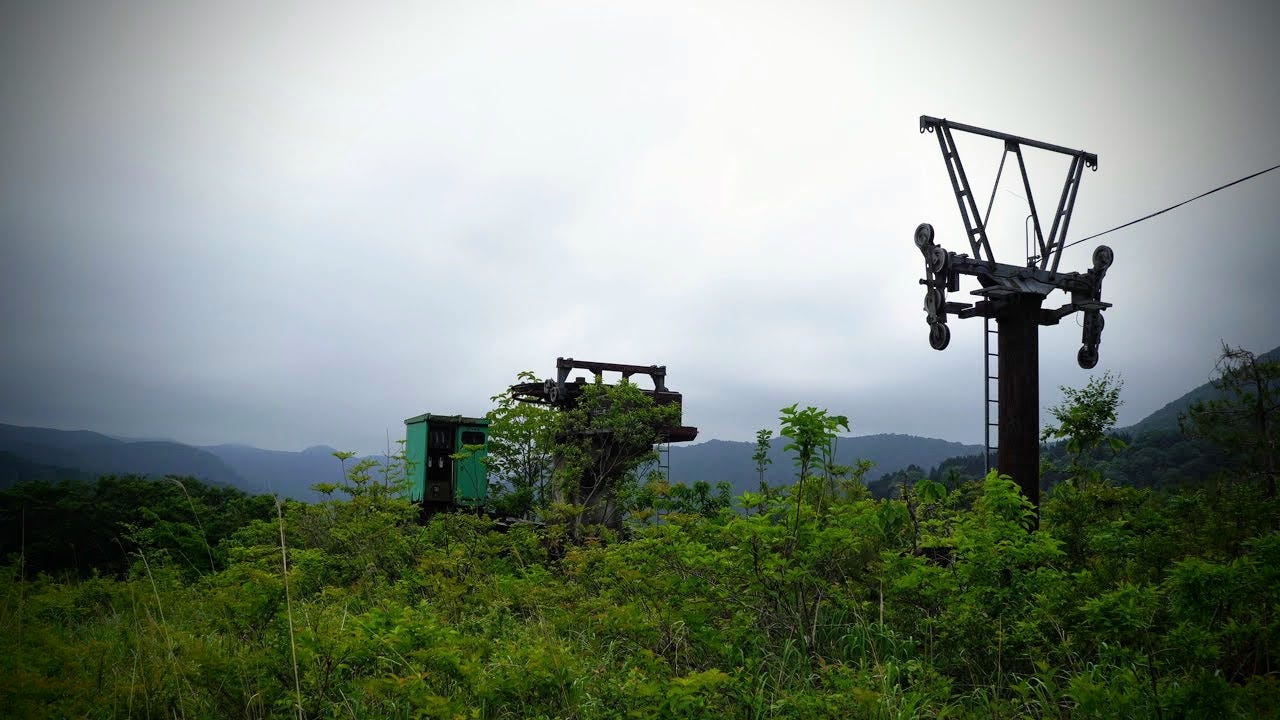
(1012, 295)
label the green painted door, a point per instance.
(415, 449)
(472, 478)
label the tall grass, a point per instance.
(203, 535)
(288, 603)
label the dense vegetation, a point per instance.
(817, 600)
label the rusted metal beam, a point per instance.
(563, 392)
(928, 123)
(657, 373)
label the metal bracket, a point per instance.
(560, 392)
(1050, 251)
(1000, 283)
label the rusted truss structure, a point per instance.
(1012, 295)
(563, 392)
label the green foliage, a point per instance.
(761, 456)
(938, 602)
(696, 499)
(79, 528)
(520, 455)
(812, 435)
(1085, 417)
(601, 443)
(1246, 422)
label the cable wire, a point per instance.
(1171, 207)
(995, 187)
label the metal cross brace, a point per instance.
(974, 223)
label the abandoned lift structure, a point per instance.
(595, 488)
(1012, 295)
(446, 453)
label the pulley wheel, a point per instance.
(933, 301)
(924, 235)
(1087, 357)
(937, 260)
(548, 386)
(1103, 256)
(554, 394)
(939, 336)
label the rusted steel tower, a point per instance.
(1012, 295)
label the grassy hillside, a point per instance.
(1124, 603)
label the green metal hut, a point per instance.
(446, 460)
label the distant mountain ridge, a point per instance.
(31, 453)
(41, 453)
(1166, 418)
(280, 471)
(729, 461)
(97, 454)
(54, 454)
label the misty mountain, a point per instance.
(28, 453)
(290, 474)
(722, 460)
(53, 452)
(1165, 419)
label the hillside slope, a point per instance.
(96, 454)
(290, 474)
(1166, 418)
(728, 461)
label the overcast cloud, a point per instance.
(294, 224)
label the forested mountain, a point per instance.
(28, 453)
(55, 454)
(1157, 455)
(1166, 418)
(717, 461)
(280, 471)
(16, 469)
(82, 451)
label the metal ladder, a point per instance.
(664, 459)
(990, 404)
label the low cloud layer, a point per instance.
(292, 225)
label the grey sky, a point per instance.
(290, 224)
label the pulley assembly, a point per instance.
(998, 281)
